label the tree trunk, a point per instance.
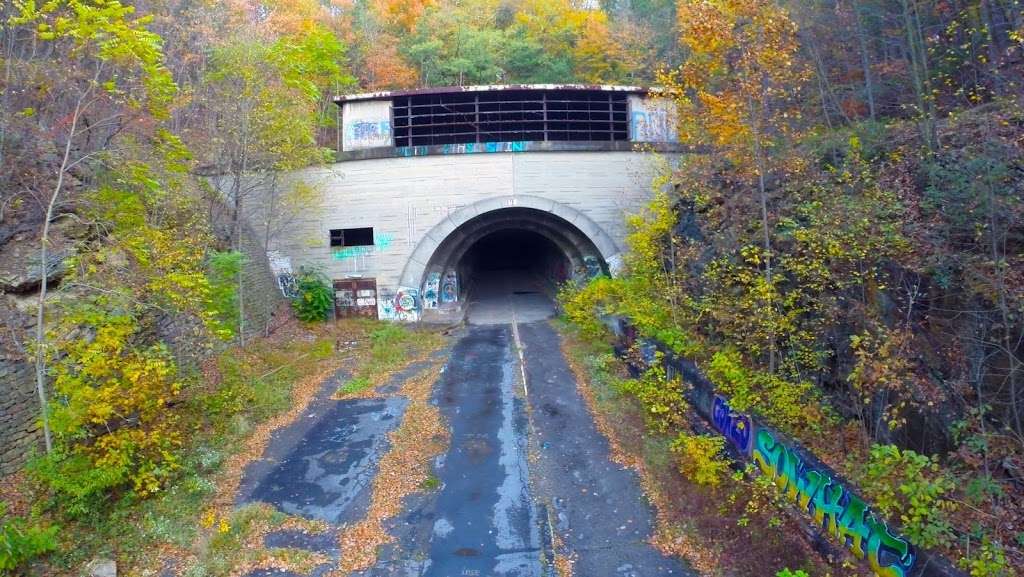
(40, 352)
(865, 60)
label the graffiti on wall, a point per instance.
(736, 427)
(380, 242)
(815, 492)
(432, 290)
(386, 304)
(407, 304)
(652, 120)
(450, 287)
(589, 269)
(366, 124)
(834, 508)
(281, 266)
(465, 148)
(368, 130)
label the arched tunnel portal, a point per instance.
(510, 258)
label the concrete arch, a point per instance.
(571, 227)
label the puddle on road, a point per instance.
(326, 474)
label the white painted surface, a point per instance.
(652, 119)
(366, 125)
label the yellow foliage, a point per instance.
(701, 458)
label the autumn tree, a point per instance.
(263, 100)
(735, 93)
(114, 81)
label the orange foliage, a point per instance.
(384, 68)
(400, 15)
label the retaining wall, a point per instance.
(827, 505)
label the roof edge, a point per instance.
(386, 94)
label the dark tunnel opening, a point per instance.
(514, 267)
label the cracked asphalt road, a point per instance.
(525, 462)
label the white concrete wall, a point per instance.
(404, 198)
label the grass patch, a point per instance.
(392, 347)
(354, 386)
(431, 483)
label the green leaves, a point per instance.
(316, 298)
(912, 487)
(22, 540)
(107, 31)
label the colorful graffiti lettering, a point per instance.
(734, 426)
(431, 290)
(450, 287)
(464, 148)
(407, 304)
(834, 508)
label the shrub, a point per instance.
(21, 541)
(989, 560)
(316, 298)
(661, 397)
(701, 458)
(109, 413)
(787, 573)
(914, 487)
(223, 269)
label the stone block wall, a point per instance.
(19, 414)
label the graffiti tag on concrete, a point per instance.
(652, 120)
(366, 124)
(431, 290)
(407, 305)
(450, 287)
(380, 242)
(288, 285)
(734, 426)
(466, 148)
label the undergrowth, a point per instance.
(220, 407)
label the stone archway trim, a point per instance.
(416, 267)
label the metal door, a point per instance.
(356, 298)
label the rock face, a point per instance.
(19, 268)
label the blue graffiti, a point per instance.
(381, 241)
(464, 148)
(734, 426)
(369, 130)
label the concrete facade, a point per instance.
(414, 204)
(433, 171)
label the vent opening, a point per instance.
(351, 236)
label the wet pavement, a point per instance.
(525, 459)
(498, 297)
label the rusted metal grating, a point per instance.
(509, 116)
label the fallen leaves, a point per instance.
(667, 538)
(402, 471)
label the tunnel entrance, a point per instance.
(508, 261)
(510, 270)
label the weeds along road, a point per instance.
(525, 487)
